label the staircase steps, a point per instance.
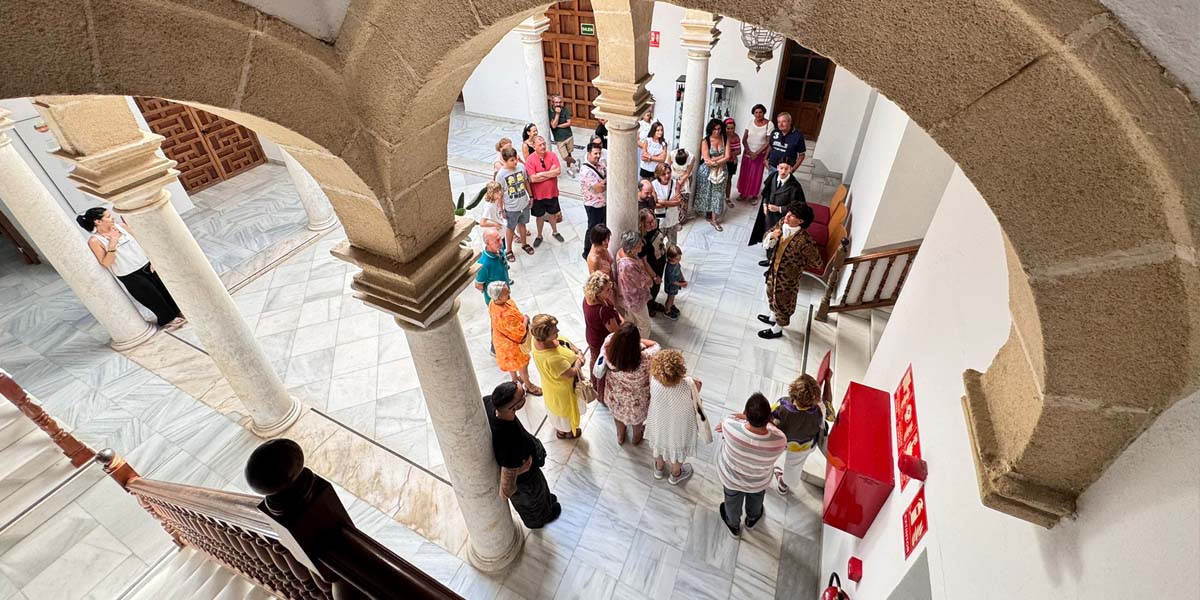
(191, 575)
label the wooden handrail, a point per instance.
(79, 453)
(883, 254)
(240, 510)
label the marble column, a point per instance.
(531, 31)
(58, 238)
(623, 152)
(316, 203)
(421, 295)
(118, 163)
(699, 36)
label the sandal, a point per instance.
(533, 391)
(527, 248)
(562, 435)
(510, 256)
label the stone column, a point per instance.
(421, 295)
(531, 31)
(116, 162)
(699, 36)
(623, 152)
(316, 203)
(58, 237)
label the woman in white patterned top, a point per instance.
(671, 420)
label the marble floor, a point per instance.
(622, 534)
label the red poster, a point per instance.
(908, 436)
(916, 522)
(654, 36)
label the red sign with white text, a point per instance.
(916, 522)
(654, 37)
(908, 436)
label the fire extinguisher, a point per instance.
(835, 591)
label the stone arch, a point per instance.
(1080, 143)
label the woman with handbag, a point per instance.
(600, 318)
(675, 420)
(710, 175)
(510, 336)
(560, 363)
(627, 379)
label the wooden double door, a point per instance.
(803, 92)
(572, 58)
(208, 148)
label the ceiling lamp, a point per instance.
(761, 42)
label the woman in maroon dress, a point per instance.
(600, 317)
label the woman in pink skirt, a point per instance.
(754, 154)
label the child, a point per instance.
(493, 210)
(673, 280)
(499, 162)
(515, 182)
(681, 171)
(798, 416)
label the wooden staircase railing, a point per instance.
(871, 280)
(297, 540)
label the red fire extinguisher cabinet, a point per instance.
(859, 476)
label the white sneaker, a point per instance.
(658, 473)
(684, 473)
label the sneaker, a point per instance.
(734, 530)
(684, 473)
(558, 236)
(780, 486)
(658, 473)
(537, 241)
(673, 314)
(750, 523)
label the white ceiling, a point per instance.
(1169, 29)
(319, 18)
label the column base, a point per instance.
(494, 564)
(136, 341)
(325, 225)
(274, 429)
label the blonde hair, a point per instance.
(595, 284)
(493, 187)
(804, 392)
(542, 327)
(668, 367)
(502, 143)
(642, 214)
(661, 170)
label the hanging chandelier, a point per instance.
(761, 42)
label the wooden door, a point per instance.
(804, 81)
(572, 58)
(208, 148)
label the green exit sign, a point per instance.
(587, 29)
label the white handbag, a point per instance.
(600, 368)
(703, 428)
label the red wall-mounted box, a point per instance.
(859, 477)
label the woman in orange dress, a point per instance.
(509, 329)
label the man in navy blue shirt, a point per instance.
(787, 145)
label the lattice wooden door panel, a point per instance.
(572, 60)
(208, 148)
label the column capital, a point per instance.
(700, 32)
(620, 101)
(419, 292)
(531, 29)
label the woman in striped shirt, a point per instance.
(750, 446)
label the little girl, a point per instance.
(493, 206)
(681, 171)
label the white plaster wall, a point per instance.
(321, 19)
(497, 87)
(843, 118)
(270, 149)
(1169, 30)
(886, 129)
(914, 188)
(1138, 530)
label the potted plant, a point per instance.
(461, 210)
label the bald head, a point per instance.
(491, 239)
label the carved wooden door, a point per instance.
(804, 82)
(572, 58)
(208, 148)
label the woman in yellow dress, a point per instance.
(559, 362)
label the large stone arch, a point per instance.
(1080, 143)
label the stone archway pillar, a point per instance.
(57, 236)
(699, 36)
(316, 204)
(117, 162)
(531, 31)
(421, 295)
(623, 151)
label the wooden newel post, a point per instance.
(301, 506)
